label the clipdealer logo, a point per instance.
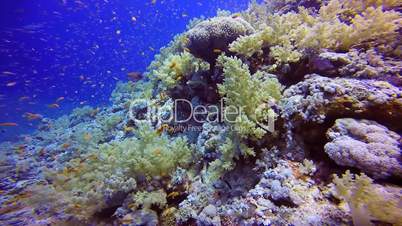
(148, 111)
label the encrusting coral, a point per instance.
(302, 90)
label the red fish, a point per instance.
(8, 124)
(31, 116)
(53, 106)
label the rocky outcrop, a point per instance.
(318, 98)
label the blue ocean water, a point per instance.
(56, 55)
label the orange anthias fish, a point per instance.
(53, 106)
(31, 116)
(157, 152)
(65, 145)
(23, 98)
(163, 127)
(20, 149)
(8, 124)
(59, 99)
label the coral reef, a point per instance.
(366, 145)
(317, 98)
(241, 120)
(364, 199)
(177, 67)
(251, 94)
(209, 38)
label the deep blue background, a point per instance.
(79, 49)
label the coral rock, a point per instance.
(208, 38)
(317, 98)
(366, 145)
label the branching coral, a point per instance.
(367, 22)
(250, 94)
(155, 155)
(111, 121)
(366, 200)
(248, 98)
(83, 187)
(280, 35)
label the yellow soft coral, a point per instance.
(367, 201)
(338, 25)
(86, 183)
(247, 45)
(248, 93)
(176, 67)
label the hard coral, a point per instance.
(317, 97)
(372, 64)
(366, 145)
(211, 37)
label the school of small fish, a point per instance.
(77, 54)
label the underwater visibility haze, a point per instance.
(205, 112)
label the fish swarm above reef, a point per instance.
(319, 88)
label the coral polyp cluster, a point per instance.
(288, 113)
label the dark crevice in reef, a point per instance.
(106, 215)
(314, 139)
(238, 181)
(190, 222)
(175, 200)
(201, 85)
(294, 72)
(391, 180)
(376, 113)
(284, 202)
